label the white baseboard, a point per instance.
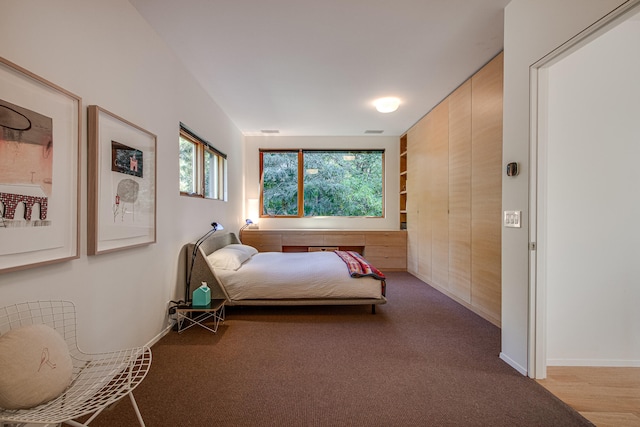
(595, 362)
(513, 364)
(162, 333)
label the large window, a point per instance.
(322, 183)
(203, 169)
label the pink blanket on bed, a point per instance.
(358, 266)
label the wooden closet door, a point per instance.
(416, 159)
(460, 192)
(438, 205)
(486, 187)
(420, 185)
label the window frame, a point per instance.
(203, 147)
(301, 152)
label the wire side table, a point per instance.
(189, 315)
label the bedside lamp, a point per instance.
(215, 227)
(248, 222)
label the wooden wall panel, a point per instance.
(439, 193)
(416, 173)
(425, 208)
(344, 238)
(460, 192)
(302, 238)
(486, 184)
(385, 249)
(454, 194)
(271, 242)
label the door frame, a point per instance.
(538, 95)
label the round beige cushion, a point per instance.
(35, 366)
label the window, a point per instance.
(203, 169)
(306, 183)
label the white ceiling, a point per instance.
(314, 67)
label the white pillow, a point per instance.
(35, 366)
(246, 248)
(227, 258)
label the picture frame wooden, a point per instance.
(121, 183)
(40, 128)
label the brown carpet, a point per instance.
(422, 360)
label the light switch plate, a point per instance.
(512, 219)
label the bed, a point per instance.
(242, 276)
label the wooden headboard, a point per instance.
(201, 271)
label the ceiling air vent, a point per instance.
(373, 132)
(270, 131)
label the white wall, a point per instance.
(106, 53)
(533, 28)
(593, 205)
(391, 145)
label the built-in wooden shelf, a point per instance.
(385, 249)
(403, 182)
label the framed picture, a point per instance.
(40, 129)
(121, 184)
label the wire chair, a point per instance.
(98, 380)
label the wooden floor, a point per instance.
(608, 397)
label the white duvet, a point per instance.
(295, 275)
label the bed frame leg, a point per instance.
(373, 309)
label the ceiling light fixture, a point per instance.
(387, 105)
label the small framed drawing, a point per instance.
(121, 184)
(40, 129)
